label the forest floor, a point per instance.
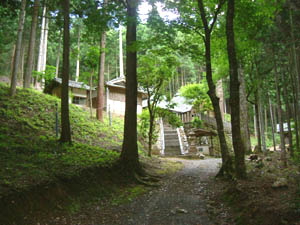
(269, 196)
(194, 196)
(178, 199)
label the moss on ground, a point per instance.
(30, 152)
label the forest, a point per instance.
(248, 50)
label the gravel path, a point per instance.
(177, 202)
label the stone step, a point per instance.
(170, 128)
(173, 148)
(171, 136)
(172, 151)
(172, 143)
(170, 132)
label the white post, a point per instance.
(107, 99)
(162, 137)
(78, 55)
(121, 52)
(44, 57)
(40, 57)
(180, 141)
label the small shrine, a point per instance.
(200, 141)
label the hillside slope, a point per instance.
(30, 153)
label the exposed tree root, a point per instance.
(139, 174)
(223, 174)
(146, 180)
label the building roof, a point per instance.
(179, 102)
(120, 82)
(74, 84)
(117, 82)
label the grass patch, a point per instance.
(30, 152)
(127, 195)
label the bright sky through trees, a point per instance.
(145, 8)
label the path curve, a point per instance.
(178, 201)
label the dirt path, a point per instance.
(177, 201)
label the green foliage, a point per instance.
(227, 117)
(47, 75)
(197, 95)
(155, 69)
(144, 126)
(128, 195)
(92, 57)
(197, 123)
(170, 116)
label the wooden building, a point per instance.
(79, 92)
(115, 97)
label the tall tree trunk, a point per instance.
(254, 121)
(174, 85)
(294, 45)
(121, 52)
(13, 84)
(21, 69)
(244, 116)
(58, 54)
(170, 89)
(226, 168)
(294, 84)
(65, 120)
(257, 106)
(100, 94)
(266, 122)
(279, 108)
(262, 124)
(289, 113)
(220, 94)
(272, 124)
(40, 62)
(117, 74)
(238, 146)
(150, 133)
(297, 76)
(91, 93)
(108, 76)
(12, 61)
(129, 154)
(31, 48)
(78, 54)
(44, 64)
(45, 44)
(183, 77)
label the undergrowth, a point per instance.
(30, 152)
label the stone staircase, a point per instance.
(172, 145)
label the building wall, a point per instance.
(117, 94)
(117, 107)
(74, 91)
(116, 101)
(57, 92)
(79, 92)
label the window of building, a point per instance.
(79, 100)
